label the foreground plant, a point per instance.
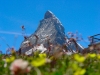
(57, 64)
(19, 67)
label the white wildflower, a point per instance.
(19, 66)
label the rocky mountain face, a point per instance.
(50, 28)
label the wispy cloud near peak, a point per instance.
(13, 33)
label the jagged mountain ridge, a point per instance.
(49, 27)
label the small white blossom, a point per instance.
(5, 63)
(19, 65)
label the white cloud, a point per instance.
(14, 33)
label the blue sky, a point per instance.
(75, 15)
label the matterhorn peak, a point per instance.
(49, 31)
(48, 14)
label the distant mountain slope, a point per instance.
(49, 28)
